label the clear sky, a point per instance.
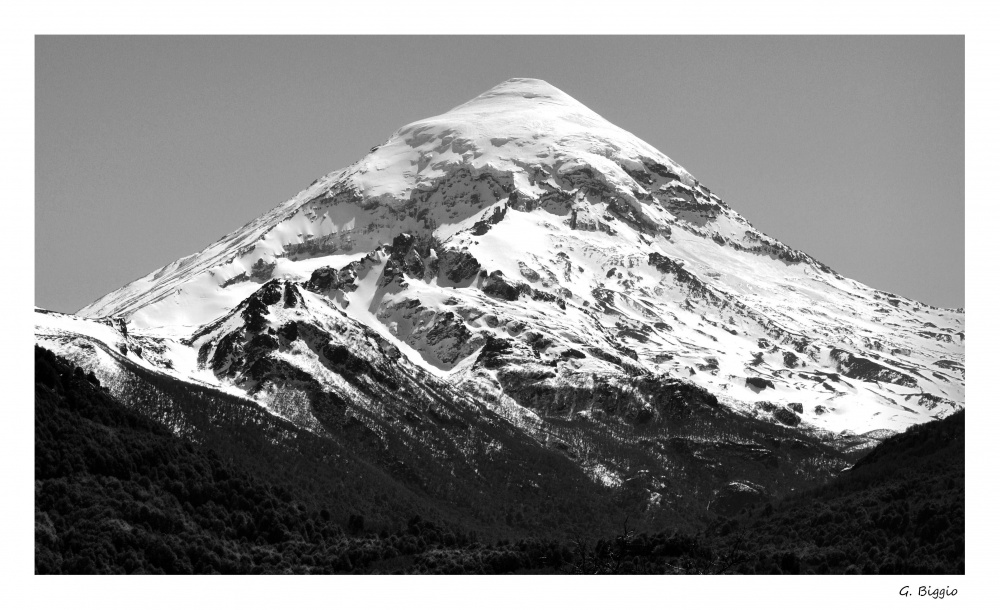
(150, 148)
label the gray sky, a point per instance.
(148, 149)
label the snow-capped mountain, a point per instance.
(531, 258)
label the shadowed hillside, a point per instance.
(117, 492)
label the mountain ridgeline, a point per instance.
(512, 325)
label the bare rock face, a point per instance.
(857, 367)
(483, 226)
(759, 383)
(768, 407)
(458, 265)
(443, 337)
(497, 286)
(327, 278)
(786, 416)
(262, 270)
(404, 253)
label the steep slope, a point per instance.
(530, 275)
(536, 220)
(659, 449)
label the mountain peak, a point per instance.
(521, 99)
(558, 247)
(527, 87)
(518, 91)
(520, 123)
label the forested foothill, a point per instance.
(118, 491)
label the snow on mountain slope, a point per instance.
(104, 346)
(521, 246)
